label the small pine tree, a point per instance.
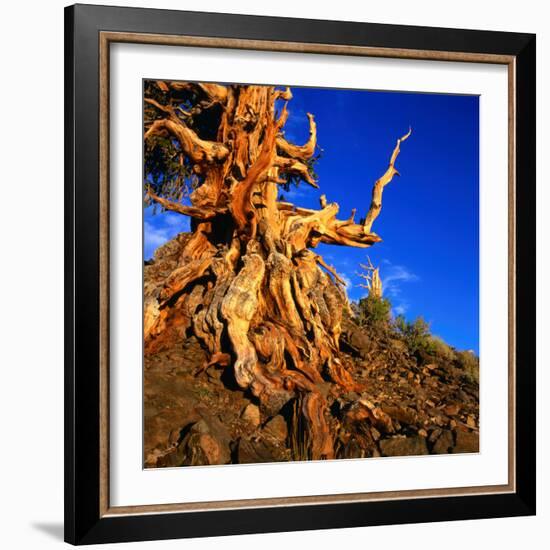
(416, 334)
(374, 312)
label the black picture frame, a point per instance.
(84, 523)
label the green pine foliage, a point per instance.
(416, 334)
(469, 363)
(373, 312)
(375, 315)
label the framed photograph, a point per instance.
(300, 274)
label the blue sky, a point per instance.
(429, 257)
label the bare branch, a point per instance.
(376, 203)
(330, 269)
(283, 94)
(340, 233)
(197, 149)
(164, 108)
(302, 152)
(202, 213)
(306, 227)
(293, 166)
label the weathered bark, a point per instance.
(247, 283)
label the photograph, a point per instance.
(299, 273)
(310, 273)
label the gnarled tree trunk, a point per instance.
(248, 283)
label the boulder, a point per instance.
(276, 428)
(444, 443)
(452, 409)
(404, 446)
(205, 442)
(353, 449)
(251, 414)
(253, 451)
(356, 339)
(405, 415)
(466, 442)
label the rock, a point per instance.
(204, 449)
(452, 409)
(404, 446)
(405, 415)
(399, 345)
(276, 428)
(466, 442)
(444, 443)
(251, 451)
(423, 357)
(351, 396)
(356, 339)
(206, 442)
(251, 414)
(353, 450)
(271, 402)
(214, 377)
(434, 435)
(463, 396)
(379, 419)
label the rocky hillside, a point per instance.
(418, 395)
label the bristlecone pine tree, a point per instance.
(249, 284)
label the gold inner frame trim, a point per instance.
(105, 39)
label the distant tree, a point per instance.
(374, 312)
(416, 334)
